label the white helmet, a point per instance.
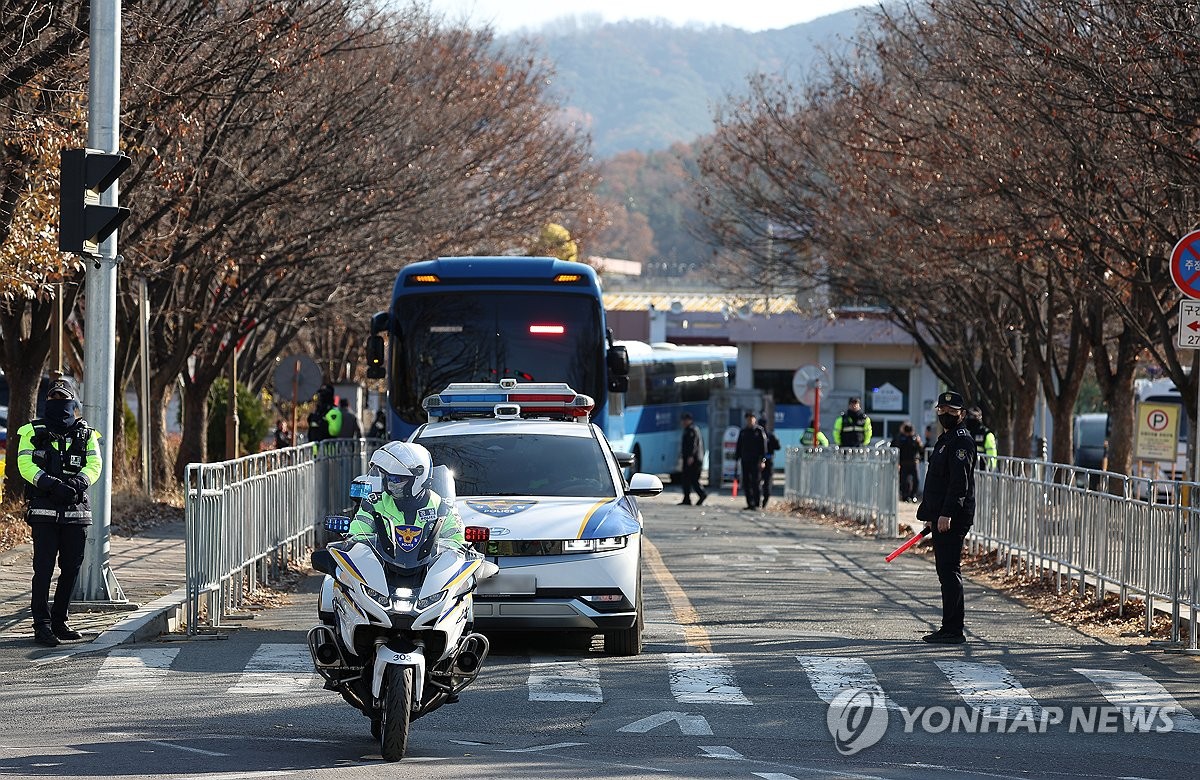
(406, 471)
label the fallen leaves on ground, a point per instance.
(14, 530)
(278, 591)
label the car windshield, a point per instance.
(520, 464)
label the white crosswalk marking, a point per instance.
(1132, 689)
(275, 669)
(991, 689)
(131, 670)
(830, 675)
(703, 678)
(577, 680)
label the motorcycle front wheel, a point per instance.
(397, 711)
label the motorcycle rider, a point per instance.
(405, 497)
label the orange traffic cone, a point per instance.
(735, 487)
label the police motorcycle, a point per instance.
(395, 636)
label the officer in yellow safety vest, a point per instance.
(852, 428)
(58, 455)
(406, 502)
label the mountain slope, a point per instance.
(646, 85)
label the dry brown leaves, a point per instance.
(14, 530)
(277, 592)
(1063, 603)
(134, 513)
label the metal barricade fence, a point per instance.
(246, 518)
(1130, 536)
(855, 482)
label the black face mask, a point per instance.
(948, 421)
(60, 412)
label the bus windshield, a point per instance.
(470, 336)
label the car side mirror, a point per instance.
(644, 485)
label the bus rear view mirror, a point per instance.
(375, 357)
(618, 363)
(616, 384)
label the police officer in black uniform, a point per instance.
(691, 451)
(751, 452)
(948, 508)
(58, 455)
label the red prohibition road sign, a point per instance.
(1185, 264)
(1157, 420)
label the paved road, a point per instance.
(756, 622)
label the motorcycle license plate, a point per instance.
(504, 584)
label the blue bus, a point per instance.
(665, 381)
(483, 319)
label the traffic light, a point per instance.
(82, 222)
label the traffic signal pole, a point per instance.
(97, 582)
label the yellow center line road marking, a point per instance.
(685, 614)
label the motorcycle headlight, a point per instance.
(429, 601)
(379, 598)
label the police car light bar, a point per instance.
(508, 398)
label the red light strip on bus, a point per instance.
(548, 330)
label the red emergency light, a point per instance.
(547, 330)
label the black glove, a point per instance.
(64, 493)
(80, 484)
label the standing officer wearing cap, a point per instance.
(58, 454)
(852, 428)
(948, 508)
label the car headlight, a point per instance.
(429, 601)
(379, 598)
(595, 545)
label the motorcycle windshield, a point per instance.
(408, 546)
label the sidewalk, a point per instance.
(150, 570)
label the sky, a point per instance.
(752, 15)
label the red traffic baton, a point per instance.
(894, 553)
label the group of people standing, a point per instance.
(330, 420)
(755, 455)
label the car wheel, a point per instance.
(627, 641)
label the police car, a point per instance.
(541, 493)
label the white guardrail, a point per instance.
(1130, 536)
(860, 483)
(247, 518)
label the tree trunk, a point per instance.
(25, 348)
(195, 427)
(1022, 429)
(156, 407)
